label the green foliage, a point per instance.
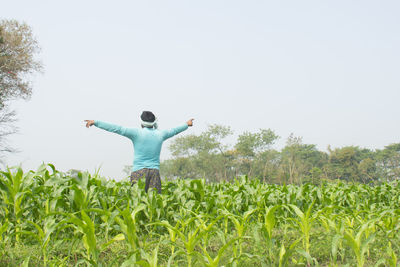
(304, 222)
(49, 218)
(358, 244)
(18, 48)
(249, 144)
(208, 156)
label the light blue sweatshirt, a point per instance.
(147, 142)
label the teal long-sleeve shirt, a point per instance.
(147, 142)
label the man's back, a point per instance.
(147, 142)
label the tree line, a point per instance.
(207, 155)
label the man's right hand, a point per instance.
(190, 122)
(89, 123)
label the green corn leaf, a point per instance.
(334, 248)
(25, 263)
(3, 229)
(116, 238)
(269, 220)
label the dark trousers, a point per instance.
(152, 177)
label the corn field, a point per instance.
(50, 218)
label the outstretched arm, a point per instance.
(174, 131)
(130, 133)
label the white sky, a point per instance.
(325, 70)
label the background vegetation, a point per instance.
(208, 156)
(50, 218)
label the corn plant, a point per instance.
(208, 260)
(86, 227)
(14, 189)
(240, 223)
(3, 229)
(268, 225)
(42, 234)
(128, 226)
(83, 196)
(357, 243)
(304, 222)
(285, 253)
(206, 228)
(190, 236)
(149, 259)
(334, 223)
(392, 260)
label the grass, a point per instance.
(68, 253)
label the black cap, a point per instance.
(148, 116)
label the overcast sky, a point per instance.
(328, 71)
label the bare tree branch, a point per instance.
(18, 50)
(7, 128)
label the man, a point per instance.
(147, 142)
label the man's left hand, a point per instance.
(190, 122)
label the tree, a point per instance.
(352, 163)
(250, 146)
(18, 49)
(267, 165)
(201, 156)
(388, 162)
(301, 161)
